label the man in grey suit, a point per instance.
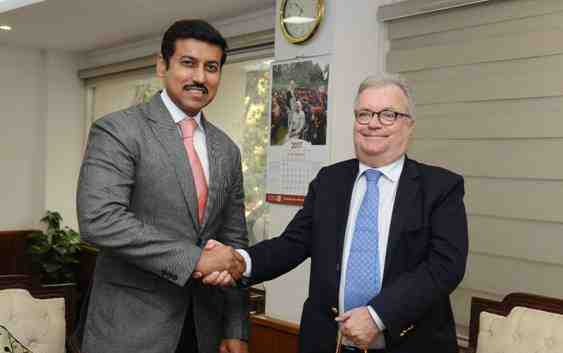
(150, 210)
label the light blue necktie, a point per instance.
(362, 272)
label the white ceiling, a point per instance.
(80, 25)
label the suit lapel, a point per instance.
(407, 192)
(215, 169)
(167, 134)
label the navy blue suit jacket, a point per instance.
(425, 261)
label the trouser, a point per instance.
(188, 338)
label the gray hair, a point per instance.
(385, 80)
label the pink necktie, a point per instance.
(188, 126)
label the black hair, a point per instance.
(195, 29)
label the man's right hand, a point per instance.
(219, 264)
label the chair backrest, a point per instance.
(39, 317)
(521, 323)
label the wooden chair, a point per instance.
(521, 322)
(37, 315)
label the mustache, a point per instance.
(197, 86)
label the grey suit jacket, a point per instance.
(137, 203)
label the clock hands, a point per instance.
(299, 8)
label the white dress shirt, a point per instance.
(200, 142)
(387, 190)
(387, 184)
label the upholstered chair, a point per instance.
(521, 323)
(37, 317)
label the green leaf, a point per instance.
(39, 249)
(60, 249)
(56, 250)
(53, 220)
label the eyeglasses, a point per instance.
(385, 117)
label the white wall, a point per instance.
(356, 43)
(21, 140)
(64, 134)
(40, 117)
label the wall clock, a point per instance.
(300, 19)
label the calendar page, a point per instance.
(298, 125)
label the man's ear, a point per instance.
(411, 127)
(161, 66)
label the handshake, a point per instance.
(219, 265)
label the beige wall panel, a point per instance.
(493, 12)
(544, 84)
(547, 23)
(520, 158)
(456, 74)
(479, 124)
(505, 275)
(530, 240)
(139, 74)
(461, 304)
(537, 106)
(518, 199)
(483, 123)
(489, 91)
(495, 49)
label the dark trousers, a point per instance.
(188, 339)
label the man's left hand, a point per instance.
(233, 346)
(358, 326)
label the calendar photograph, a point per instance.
(298, 128)
(298, 103)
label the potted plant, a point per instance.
(55, 252)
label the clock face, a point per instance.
(300, 17)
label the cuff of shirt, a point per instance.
(375, 318)
(248, 262)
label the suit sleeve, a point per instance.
(234, 233)
(275, 257)
(408, 298)
(105, 186)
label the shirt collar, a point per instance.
(177, 113)
(391, 171)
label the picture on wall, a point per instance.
(299, 102)
(298, 127)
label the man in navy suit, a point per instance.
(417, 218)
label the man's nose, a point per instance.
(199, 75)
(374, 122)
